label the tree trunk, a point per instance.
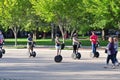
(15, 31)
(44, 35)
(52, 32)
(15, 34)
(103, 34)
(62, 32)
(34, 36)
(72, 33)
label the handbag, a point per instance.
(106, 51)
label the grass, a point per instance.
(23, 41)
(68, 42)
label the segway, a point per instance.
(33, 54)
(2, 51)
(58, 58)
(76, 55)
(96, 54)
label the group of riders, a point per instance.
(111, 48)
(76, 43)
(30, 43)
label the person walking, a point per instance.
(110, 53)
(116, 44)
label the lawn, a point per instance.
(23, 41)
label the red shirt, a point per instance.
(94, 38)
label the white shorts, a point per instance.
(58, 47)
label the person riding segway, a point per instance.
(76, 46)
(2, 51)
(30, 45)
(59, 46)
(95, 44)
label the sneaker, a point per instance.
(117, 64)
(113, 67)
(106, 66)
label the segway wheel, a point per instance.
(3, 51)
(34, 54)
(58, 58)
(1, 54)
(97, 54)
(73, 56)
(78, 55)
(30, 54)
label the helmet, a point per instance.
(75, 34)
(57, 35)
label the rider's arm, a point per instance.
(57, 41)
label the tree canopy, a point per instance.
(69, 15)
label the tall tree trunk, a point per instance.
(52, 32)
(103, 34)
(72, 33)
(34, 35)
(44, 35)
(62, 32)
(15, 31)
(15, 34)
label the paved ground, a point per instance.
(16, 65)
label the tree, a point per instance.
(58, 11)
(105, 13)
(14, 14)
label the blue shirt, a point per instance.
(30, 40)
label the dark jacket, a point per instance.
(111, 48)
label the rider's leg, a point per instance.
(74, 48)
(57, 49)
(93, 48)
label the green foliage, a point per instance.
(14, 14)
(70, 15)
(105, 12)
